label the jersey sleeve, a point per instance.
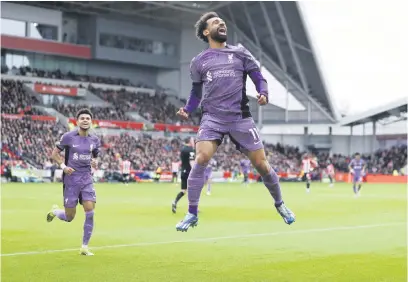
(250, 64)
(195, 72)
(351, 164)
(64, 142)
(96, 150)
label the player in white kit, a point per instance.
(125, 167)
(330, 172)
(308, 164)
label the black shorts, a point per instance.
(184, 177)
(174, 174)
(246, 176)
(125, 175)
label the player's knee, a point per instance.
(70, 217)
(262, 166)
(203, 158)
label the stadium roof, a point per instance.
(274, 29)
(392, 112)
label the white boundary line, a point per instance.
(340, 228)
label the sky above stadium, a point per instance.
(360, 48)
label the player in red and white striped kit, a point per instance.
(308, 164)
(330, 172)
(125, 167)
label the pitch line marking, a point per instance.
(341, 228)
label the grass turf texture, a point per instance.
(240, 237)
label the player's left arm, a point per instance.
(254, 72)
(95, 153)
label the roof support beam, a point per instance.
(285, 74)
(273, 36)
(293, 51)
(251, 25)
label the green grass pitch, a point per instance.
(240, 237)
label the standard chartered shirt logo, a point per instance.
(224, 73)
(209, 76)
(81, 157)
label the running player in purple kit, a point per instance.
(219, 74)
(81, 150)
(245, 168)
(357, 168)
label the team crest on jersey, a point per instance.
(230, 58)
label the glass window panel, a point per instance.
(170, 49)
(158, 48)
(43, 31)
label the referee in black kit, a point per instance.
(187, 156)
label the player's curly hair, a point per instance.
(83, 111)
(201, 24)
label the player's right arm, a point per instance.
(196, 91)
(55, 155)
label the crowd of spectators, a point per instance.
(29, 140)
(15, 99)
(32, 141)
(154, 108)
(102, 113)
(57, 74)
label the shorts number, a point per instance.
(255, 134)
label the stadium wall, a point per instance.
(118, 28)
(136, 74)
(33, 15)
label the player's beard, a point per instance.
(217, 37)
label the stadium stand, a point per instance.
(15, 100)
(155, 109)
(57, 74)
(104, 113)
(30, 141)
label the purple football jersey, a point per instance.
(223, 73)
(79, 151)
(357, 165)
(245, 165)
